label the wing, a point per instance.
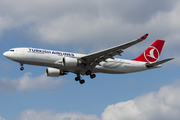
(94, 59)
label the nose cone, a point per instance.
(6, 54)
(10, 55)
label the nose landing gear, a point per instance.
(22, 68)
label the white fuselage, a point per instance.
(50, 58)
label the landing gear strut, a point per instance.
(22, 68)
(78, 78)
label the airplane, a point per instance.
(59, 63)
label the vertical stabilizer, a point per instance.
(152, 53)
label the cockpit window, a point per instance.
(11, 50)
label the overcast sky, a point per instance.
(87, 26)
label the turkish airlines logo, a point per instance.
(151, 54)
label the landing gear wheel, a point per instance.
(92, 76)
(82, 81)
(22, 68)
(88, 72)
(77, 78)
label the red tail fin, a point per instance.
(152, 53)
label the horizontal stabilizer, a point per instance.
(149, 65)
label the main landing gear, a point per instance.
(22, 68)
(78, 78)
(81, 81)
(90, 73)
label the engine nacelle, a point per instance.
(54, 72)
(71, 62)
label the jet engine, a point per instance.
(54, 72)
(71, 62)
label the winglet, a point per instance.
(144, 36)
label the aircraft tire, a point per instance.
(93, 76)
(77, 78)
(88, 72)
(22, 68)
(82, 81)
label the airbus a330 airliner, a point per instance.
(60, 63)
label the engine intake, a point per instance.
(71, 62)
(54, 72)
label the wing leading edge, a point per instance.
(94, 59)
